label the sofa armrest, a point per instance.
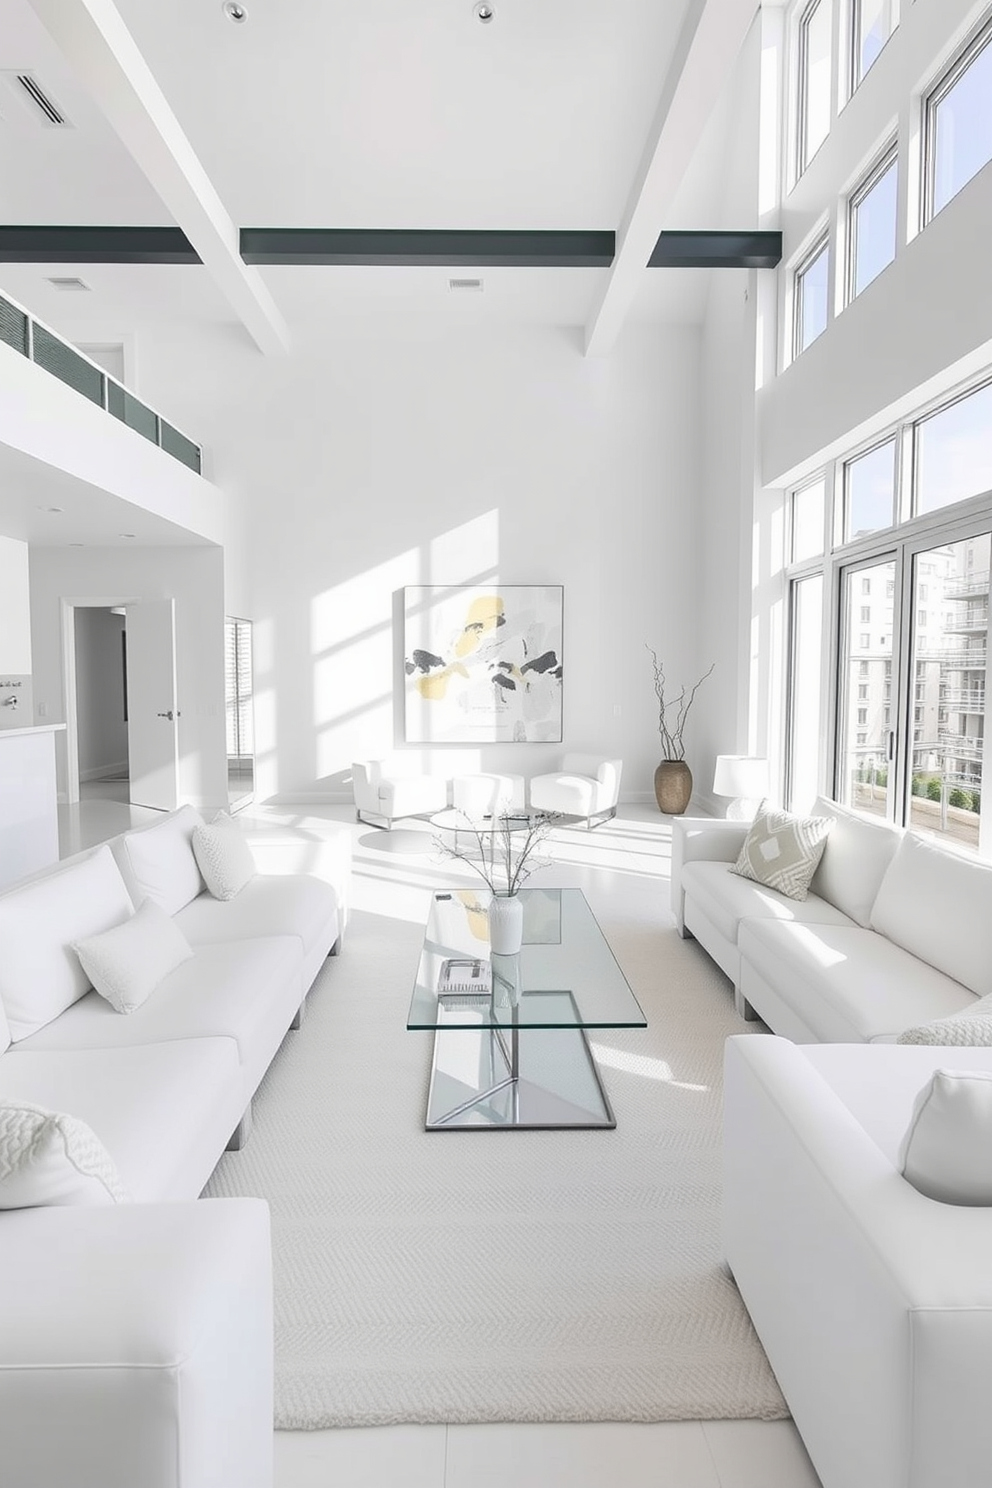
(325, 854)
(701, 839)
(137, 1345)
(873, 1303)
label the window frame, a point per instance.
(805, 16)
(886, 160)
(933, 98)
(855, 76)
(820, 246)
(915, 425)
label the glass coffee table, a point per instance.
(510, 1046)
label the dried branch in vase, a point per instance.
(672, 712)
(502, 855)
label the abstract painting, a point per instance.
(483, 664)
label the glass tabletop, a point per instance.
(564, 976)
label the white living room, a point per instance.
(495, 547)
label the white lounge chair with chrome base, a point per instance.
(584, 786)
(381, 795)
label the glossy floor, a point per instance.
(632, 853)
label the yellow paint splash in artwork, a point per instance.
(434, 687)
(484, 614)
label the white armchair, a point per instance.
(584, 786)
(381, 795)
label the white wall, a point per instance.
(100, 723)
(194, 578)
(15, 608)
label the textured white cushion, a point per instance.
(46, 1158)
(938, 905)
(223, 857)
(782, 850)
(40, 974)
(158, 863)
(127, 963)
(947, 1150)
(970, 1028)
(856, 855)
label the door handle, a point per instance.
(170, 715)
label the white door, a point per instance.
(152, 717)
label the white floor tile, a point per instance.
(759, 1454)
(670, 1455)
(377, 1457)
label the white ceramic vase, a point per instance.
(506, 924)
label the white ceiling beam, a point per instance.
(707, 49)
(102, 52)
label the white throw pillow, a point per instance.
(158, 863)
(47, 1158)
(127, 963)
(782, 851)
(40, 975)
(969, 1028)
(223, 857)
(947, 1151)
(937, 905)
(857, 853)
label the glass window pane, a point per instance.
(807, 521)
(814, 80)
(870, 486)
(804, 723)
(874, 24)
(873, 230)
(864, 741)
(954, 452)
(950, 648)
(960, 130)
(811, 300)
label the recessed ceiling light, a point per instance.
(72, 284)
(461, 285)
(484, 13)
(234, 12)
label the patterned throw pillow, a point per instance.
(970, 1028)
(49, 1158)
(782, 851)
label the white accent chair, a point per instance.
(584, 786)
(480, 796)
(382, 793)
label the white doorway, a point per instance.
(134, 686)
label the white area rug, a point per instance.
(499, 1276)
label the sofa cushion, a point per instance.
(846, 984)
(727, 898)
(970, 1028)
(782, 850)
(40, 974)
(271, 904)
(126, 964)
(937, 905)
(241, 990)
(50, 1158)
(857, 853)
(163, 1111)
(945, 1152)
(157, 861)
(223, 857)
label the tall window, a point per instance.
(804, 707)
(954, 451)
(872, 225)
(812, 284)
(808, 505)
(874, 23)
(869, 491)
(814, 79)
(959, 124)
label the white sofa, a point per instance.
(897, 929)
(873, 1302)
(136, 1338)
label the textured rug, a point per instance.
(499, 1276)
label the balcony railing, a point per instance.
(971, 586)
(975, 622)
(960, 746)
(41, 345)
(963, 700)
(964, 660)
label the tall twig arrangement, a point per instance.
(502, 858)
(673, 712)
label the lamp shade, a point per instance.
(740, 775)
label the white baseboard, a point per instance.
(104, 772)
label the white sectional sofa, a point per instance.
(897, 929)
(873, 1302)
(136, 1338)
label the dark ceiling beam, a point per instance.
(395, 247)
(717, 250)
(78, 245)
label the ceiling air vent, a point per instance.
(463, 285)
(68, 283)
(40, 104)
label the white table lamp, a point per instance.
(745, 777)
